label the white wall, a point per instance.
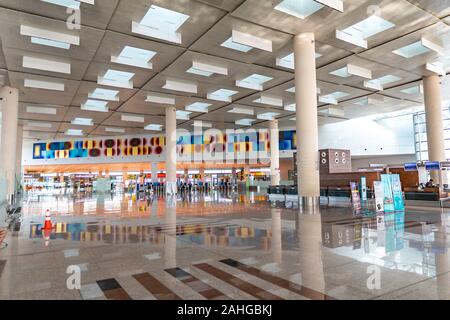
(365, 162)
(366, 137)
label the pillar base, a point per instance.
(11, 199)
(171, 188)
(309, 202)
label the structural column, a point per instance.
(154, 172)
(306, 110)
(171, 151)
(10, 109)
(433, 114)
(19, 144)
(274, 154)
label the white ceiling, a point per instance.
(106, 28)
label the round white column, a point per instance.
(435, 127)
(10, 109)
(274, 154)
(306, 117)
(19, 155)
(154, 172)
(171, 151)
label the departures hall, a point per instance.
(224, 150)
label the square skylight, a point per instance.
(267, 115)
(46, 85)
(244, 122)
(198, 107)
(206, 69)
(291, 90)
(358, 33)
(250, 40)
(352, 70)
(378, 84)
(411, 50)
(254, 81)
(45, 64)
(74, 132)
(160, 99)
(39, 124)
(117, 78)
(271, 101)
(136, 57)
(288, 61)
(201, 124)
(290, 107)
(333, 98)
(49, 38)
(242, 110)
(153, 127)
(342, 72)
(161, 23)
(199, 72)
(50, 43)
(95, 105)
(417, 89)
(115, 130)
(182, 115)
(304, 8)
(180, 85)
(235, 46)
(41, 110)
(131, 118)
(104, 94)
(222, 95)
(74, 4)
(82, 122)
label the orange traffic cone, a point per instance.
(48, 221)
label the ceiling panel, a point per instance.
(31, 111)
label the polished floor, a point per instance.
(222, 246)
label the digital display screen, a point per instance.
(410, 166)
(432, 166)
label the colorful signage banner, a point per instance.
(363, 189)
(388, 198)
(379, 196)
(397, 193)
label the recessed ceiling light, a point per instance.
(244, 122)
(95, 105)
(136, 57)
(206, 70)
(241, 110)
(267, 115)
(333, 98)
(180, 85)
(41, 110)
(288, 61)
(115, 130)
(271, 101)
(161, 99)
(379, 83)
(74, 132)
(82, 122)
(46, 85)
(358, 33)
(161, 23)
(117, 78)
(130, 118)
(153, 127)
(198, 107)
(49, 38)
(182, 115)
(221, 95)
(417, 48)
(104, 94)
(254, 81)
(352, 70)
(45, 64)
(235, 46)
(304, 8)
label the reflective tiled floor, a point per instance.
(222, 246)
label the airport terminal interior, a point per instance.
(224, 149)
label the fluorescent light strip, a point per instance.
(45, 85)
(41, 110)
(182, 86)
(160, 23)
(45, 65)
(135, 57)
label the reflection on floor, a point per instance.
(222, 246)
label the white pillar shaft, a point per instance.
(154, 172)
(274, 154)
(306, 114)
(19, 153)
(10, 109)
(171, 151)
